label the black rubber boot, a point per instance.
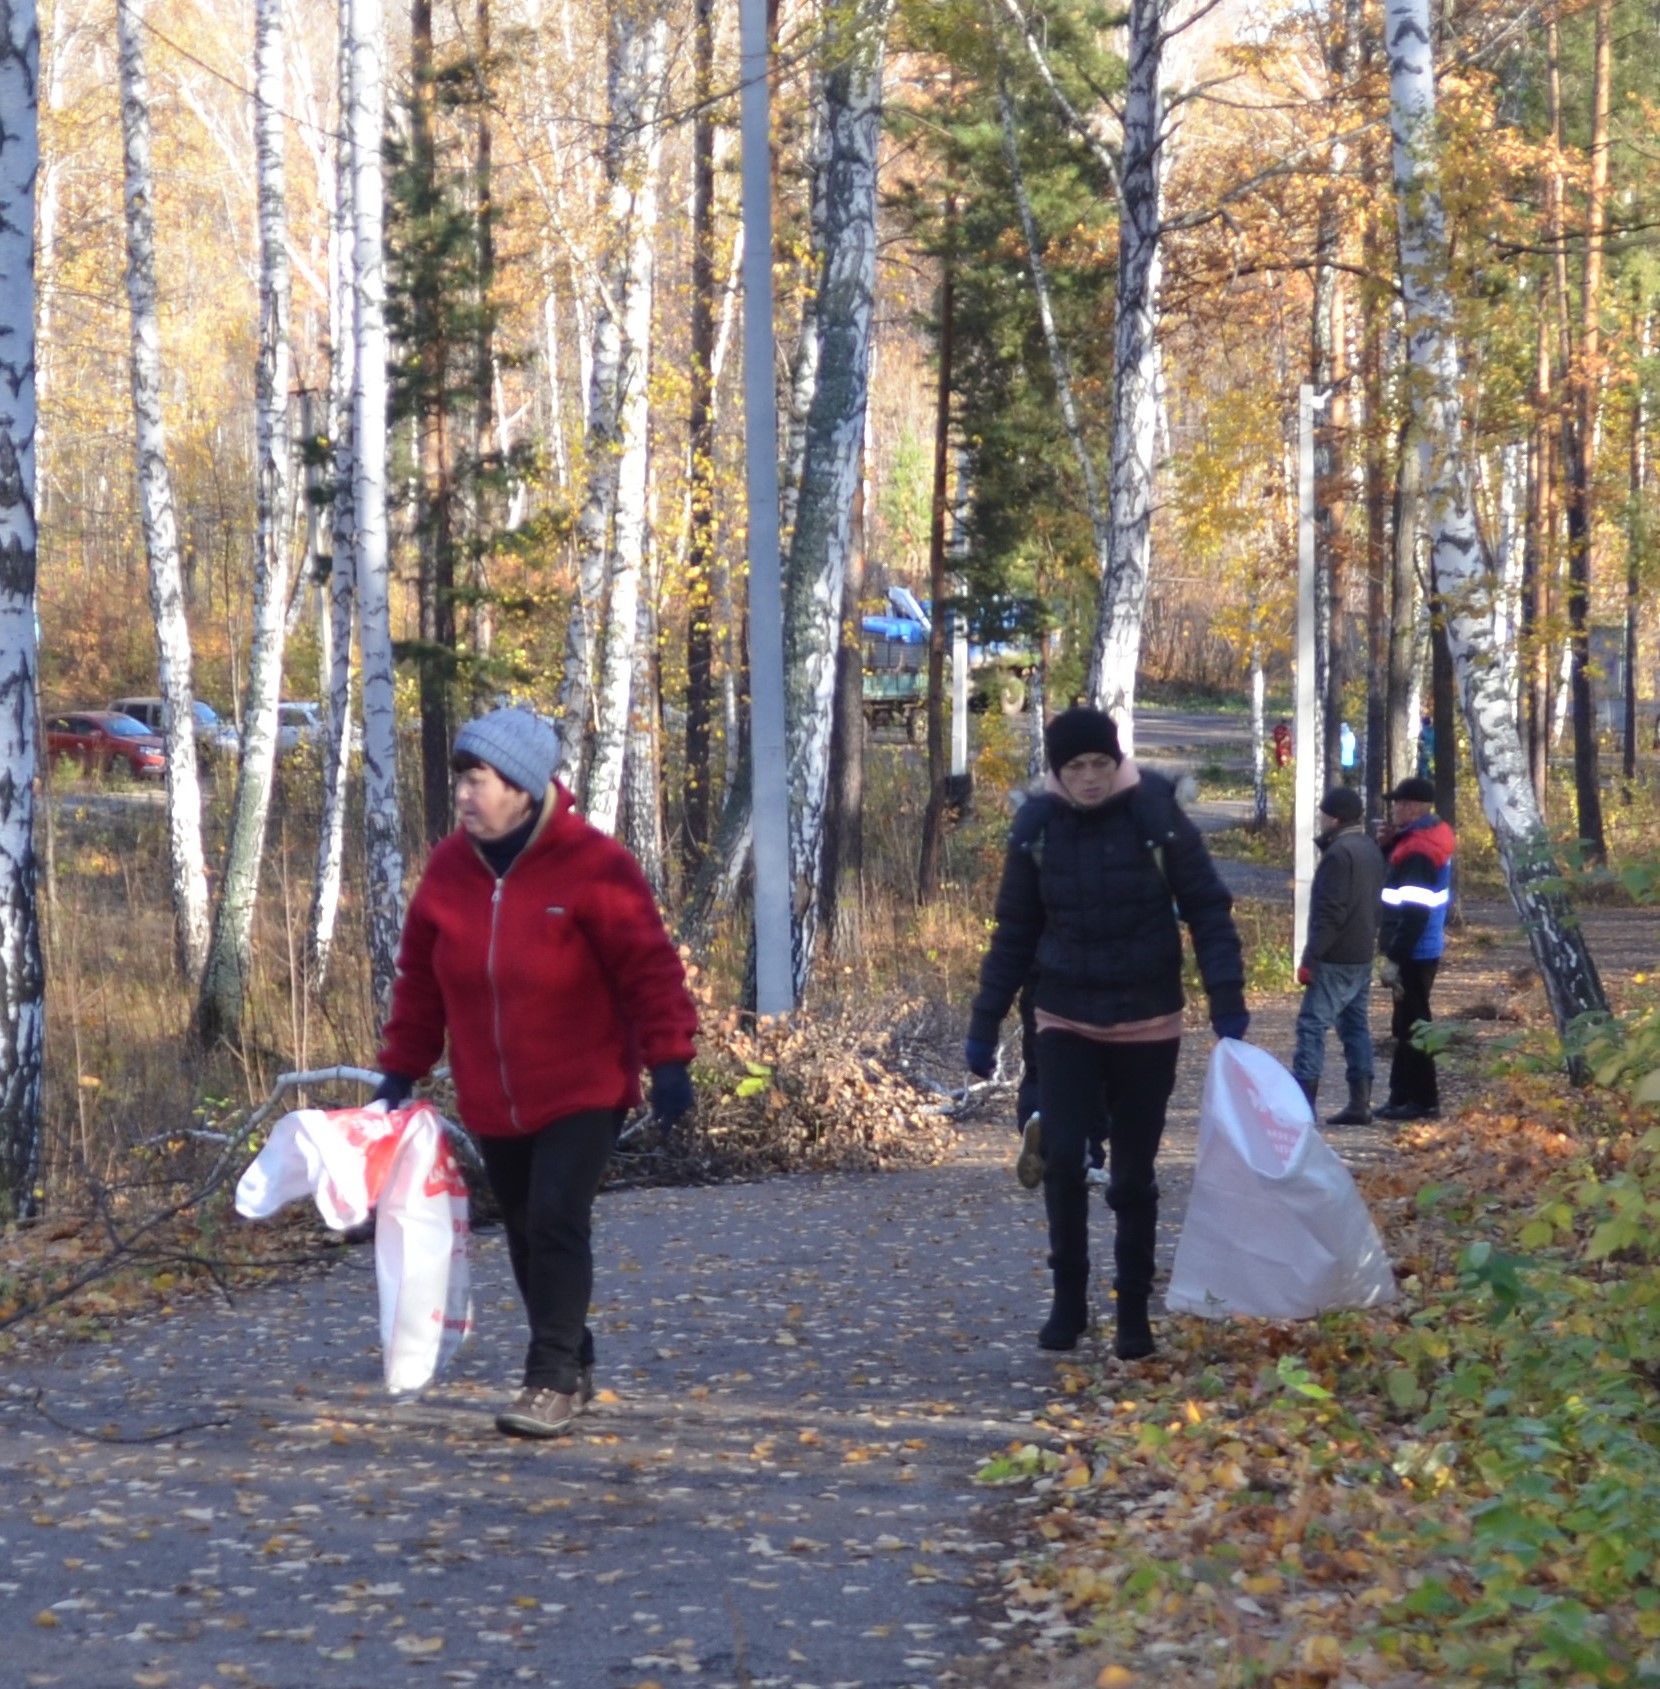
(1310, 1089)
(1358, 1111)
(1068, 1316)
(1134, 1341)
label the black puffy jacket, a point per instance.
(1089, 902)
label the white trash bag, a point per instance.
(1274, 1225)
(397, 1164)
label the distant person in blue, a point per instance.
(1346, 752)
(1416, 892)
(1426, 749)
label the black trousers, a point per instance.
(1412, 1072)
(546, 1184)
(1122, 1089)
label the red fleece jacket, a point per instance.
(555, 982)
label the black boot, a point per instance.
(1358, 1111)
(1134, 1341)
(1068, 1316)
(1310, 1089)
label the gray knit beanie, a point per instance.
(521, 747)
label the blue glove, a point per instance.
(979, 1057)
(394, 1090)
(1231, 1023)
(671, 1093)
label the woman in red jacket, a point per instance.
(534, 942)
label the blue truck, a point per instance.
(895, 651)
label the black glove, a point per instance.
(394, 1090)
(979, 1057)
(671, 1093)
(1230, 1023)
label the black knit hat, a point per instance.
(1077, 732)
(1413, 790)
(1342, 804)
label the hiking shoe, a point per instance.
(537, 1413)
(584, 1386)
(1028, 1167)
(1406, 1111)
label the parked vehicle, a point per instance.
(895, 659)
(101, 740)
(299, 723)
(215, 737)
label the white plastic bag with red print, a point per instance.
(397, 1164)
(1274, 1225)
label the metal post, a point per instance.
(1305, 754)
(775, 983)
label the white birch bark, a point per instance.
(187, 868)
(1100, 523)
(50, 200)
(643, 806)
(634, 202)
(1507, 798)
(364, 127)
(225, 980)
(834, 444)
(22, 978)
(556, 391)
(342, 598)
(1117, 643)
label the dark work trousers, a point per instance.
(1125, 1088)
(546, 1184)
(1028, 1098)
(1412, 1073)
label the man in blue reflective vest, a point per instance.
(1416, 892)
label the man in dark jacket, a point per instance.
(1097, 871)
(1416, 893)
(1336, 965)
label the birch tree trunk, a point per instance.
(187, 868)
(325, 895)
(22, 978)
(641, 83)
(642, 769)
(1636, 536)
(1060, 367)
(365, 122)
(1404, 609)
(225, 980)
(816, 573)
(1558, 942)
(1117, 643)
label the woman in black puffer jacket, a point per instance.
(1099, 867)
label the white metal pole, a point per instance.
(1304, 754)
(775, 982)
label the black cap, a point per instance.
(1342, 803)
(1413, 789)
(1077, 732)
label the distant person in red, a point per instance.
(533, 942)
(1282, 743)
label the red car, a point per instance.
(100, 740)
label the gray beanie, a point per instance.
(521, 747)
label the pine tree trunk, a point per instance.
(1403, 607)
(1636, 539)
(331, 837)
(381, 822)
(434, 490)
(1117, 643)
(186, 863)
(819, 547)
(1558, 942)
(700, 552)
(22, 977)
(634, 201)
(225, 979)
(933, 820)
(1581, 455)
(842, 900)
